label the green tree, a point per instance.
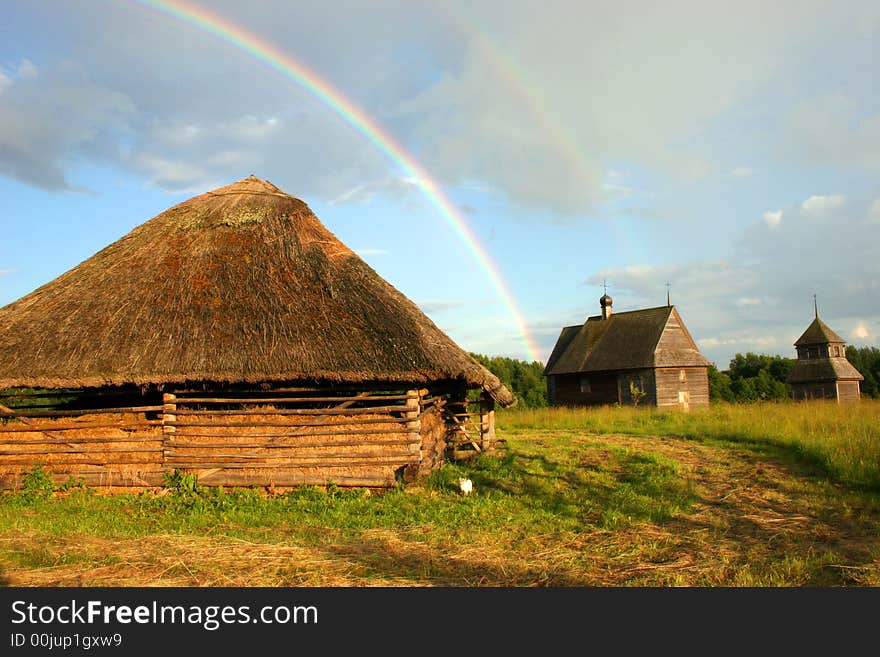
(867, 361)
(719, 386)
(758, 377)
(525, 380)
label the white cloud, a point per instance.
(371, 252)
(751, 341)
(861, 331)
(836, 129)
(768, 282)
(874, 212)
(4, 272)
(773, 218)
(26, 69)
(494, 108)
(60, 115)
(5, 80)
(817, 205)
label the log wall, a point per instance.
(278, 438)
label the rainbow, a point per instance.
(296, 72)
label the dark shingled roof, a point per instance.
(241, 284)
(818, 333)
(808, 370)
(626, 340)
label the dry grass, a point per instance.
(564, 509)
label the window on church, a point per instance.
(682, 375)
(585, 384)
(836, 350)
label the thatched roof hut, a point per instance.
(239, 286)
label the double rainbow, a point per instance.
(295, 71)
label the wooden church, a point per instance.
(821, 370)
(635, 357)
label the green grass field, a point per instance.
(752, 495)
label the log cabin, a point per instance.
(821, 370)
(235, 338)
(645, 357)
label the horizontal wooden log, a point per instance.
(171, 455)
(463, 454)
(299, 411)
(242, 425)
(396, 426)
(360, 388)
(284, 479)
(280, 411)
(283, 400)
(146, 438)
(88, 411)
(316, 464)
(94, 459)
(372, 432)
(41, 428)
(297, 445)
(74, 450)
(95, 478)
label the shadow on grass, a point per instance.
(4, 578)
(628, 487)
(423, 564)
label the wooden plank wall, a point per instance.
(644, 380)
(695, 385)
(279, 438)
(567, 389)
(826, 390)
(848, 391)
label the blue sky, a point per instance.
(730, 149)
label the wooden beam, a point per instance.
(316, 464)
(271, 445)
(292, 458)
(87, 411)
(285, 400)
(32, 428)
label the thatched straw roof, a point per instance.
(626, 340)
(239, 285)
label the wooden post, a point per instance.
(414, 424)
(169, 414)
(487, 422)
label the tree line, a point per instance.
(749, 377)
(758, 377)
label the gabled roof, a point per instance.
(818, 332)
(808, 370)
(241, 284)
(626, 340)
